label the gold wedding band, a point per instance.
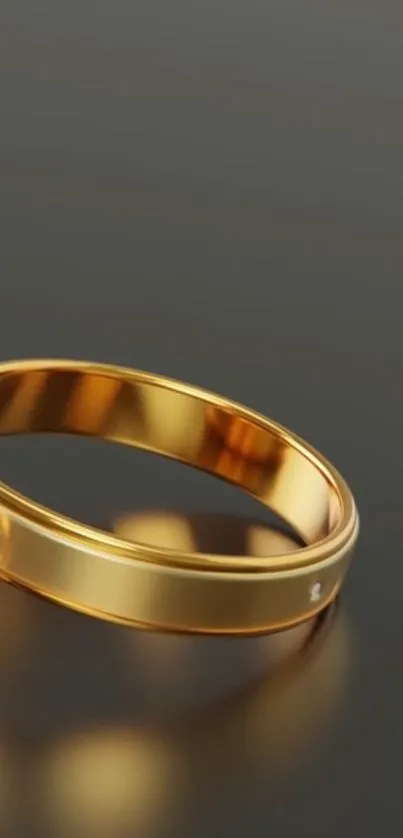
(152, 587)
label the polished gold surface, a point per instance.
(159, 587)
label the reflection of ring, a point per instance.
(105, 576)
(96, 778)
(105, 777)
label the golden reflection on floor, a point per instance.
(226, 708)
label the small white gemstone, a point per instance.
(315, 592)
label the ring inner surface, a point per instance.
(189, 428)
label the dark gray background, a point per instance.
(212, 191)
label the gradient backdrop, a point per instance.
(213, 191)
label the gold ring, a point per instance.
(131, 583)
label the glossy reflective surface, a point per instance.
(149, 717)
